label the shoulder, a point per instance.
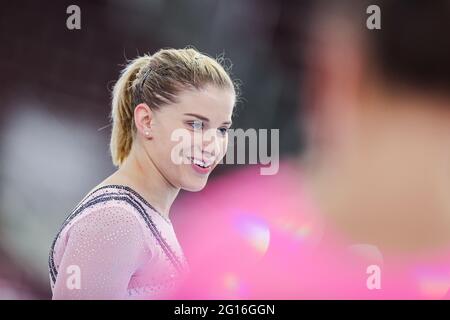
(108, 211)
(109, 205)
(107, 219)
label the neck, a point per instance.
(388, 182)
(141, 173)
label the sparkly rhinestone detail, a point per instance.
(128, 195)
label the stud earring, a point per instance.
(147, 133)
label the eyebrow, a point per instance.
(204, 118)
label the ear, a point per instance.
(143, 117)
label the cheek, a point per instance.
(225, 143)
(170, 144)
(223, 146)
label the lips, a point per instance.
(201, 163)
(201, 166)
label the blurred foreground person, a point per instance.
(364, 213)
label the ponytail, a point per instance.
(123, 110)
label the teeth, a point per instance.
(200, 163)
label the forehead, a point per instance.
(211, 102)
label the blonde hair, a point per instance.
(156, 80)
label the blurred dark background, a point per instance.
(55, 100)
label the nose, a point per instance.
(210, 150)
(211, 147)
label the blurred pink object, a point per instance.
(248, 236)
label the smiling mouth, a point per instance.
(201, 163)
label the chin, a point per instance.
(194, 187)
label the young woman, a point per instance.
(119, 242)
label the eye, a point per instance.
(223, 130)
(196, 125)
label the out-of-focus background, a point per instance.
(55, 101)
(363, 114)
